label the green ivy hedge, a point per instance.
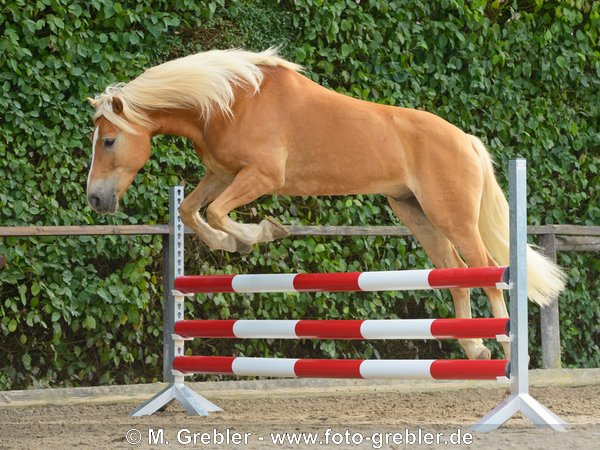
(524, 76)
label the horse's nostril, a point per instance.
(95, 201)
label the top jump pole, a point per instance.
(393, 280)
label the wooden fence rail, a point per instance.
(551, 239)
(568, 237)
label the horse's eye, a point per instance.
(108, 142)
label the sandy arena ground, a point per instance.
(351, 412)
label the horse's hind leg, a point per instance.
(443, 254)
(470, 244)
(456, 213)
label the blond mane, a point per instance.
(201, 82)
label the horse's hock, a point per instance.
(513, 370)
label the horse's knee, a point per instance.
(186, 212)
(214, 217)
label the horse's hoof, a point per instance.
(276, 230)
(484, 354)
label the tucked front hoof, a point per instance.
(275, 229)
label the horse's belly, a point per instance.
(341, 177)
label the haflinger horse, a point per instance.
(260, 127)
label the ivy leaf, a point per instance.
(89, 323)
(26, 359)
(346, 50)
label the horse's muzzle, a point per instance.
(103, 202)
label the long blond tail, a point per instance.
(545, 279)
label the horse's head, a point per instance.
(119, 150)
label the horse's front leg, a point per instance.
(248, 185)
(207, 190)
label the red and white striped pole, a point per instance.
(344, 329)
(395, 280)
(424, 369)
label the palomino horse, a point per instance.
(260, 127)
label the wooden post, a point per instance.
(550, 325)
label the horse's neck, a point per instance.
(181, 123)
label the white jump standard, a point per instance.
(177, 330)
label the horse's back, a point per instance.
(334, 144)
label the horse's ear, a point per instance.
(92, 101)
(117, 105)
